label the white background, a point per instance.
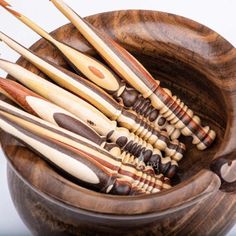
(220, 15)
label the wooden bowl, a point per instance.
(199, 66)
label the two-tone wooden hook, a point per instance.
(171, 107)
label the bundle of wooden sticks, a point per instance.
(112, 131)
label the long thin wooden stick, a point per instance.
(171, 107)
(43, 135)
(98, 73)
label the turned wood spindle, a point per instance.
(170, 107)
(107, 167)
(97, 97)
(35, 105)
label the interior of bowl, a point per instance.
(182, 54)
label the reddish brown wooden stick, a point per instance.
(58, 116)
(171, 107)
(76, 156)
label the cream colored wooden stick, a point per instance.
(171, 107)
(96, 72)
(84, 162)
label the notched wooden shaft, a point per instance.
(102, 101)
(36, 105)
(170, 107)
(108, 167)
(91, 116)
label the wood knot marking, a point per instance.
(90, 123)
(96, 72)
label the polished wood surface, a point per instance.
(195, 205)
(132, 71)
(107, 105)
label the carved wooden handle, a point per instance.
(77, 163)
(95, 71)
(172, 108)
(38, 129)
(35, 104)
(91, 116)
(103, 102)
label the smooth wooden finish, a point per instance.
(96, 72)
(104, 102)
(92, 117)
(50, 204)
(87, 164)
(171, 107)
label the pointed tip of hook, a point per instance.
(7, 6)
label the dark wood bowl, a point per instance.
(199, 66)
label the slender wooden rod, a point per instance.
(171, 107)
(35, 105)
(43, 131)
(103, 102)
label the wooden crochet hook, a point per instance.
(171, 107)
(102, 76)
(42, 132)
(103, 102)
(35, 105)
(121, 136)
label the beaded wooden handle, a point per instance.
(100, 99)
(98, 164)
(171, 107)
(100, 75)
(90, 115)
(103, 102)
(35, 104)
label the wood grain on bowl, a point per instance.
(199, 66)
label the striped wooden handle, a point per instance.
(90, 115)
(107, 105)
(112, 165)
(171, 107)
(96, 72)
(93, 69)
(35, 104)
(77, 163)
